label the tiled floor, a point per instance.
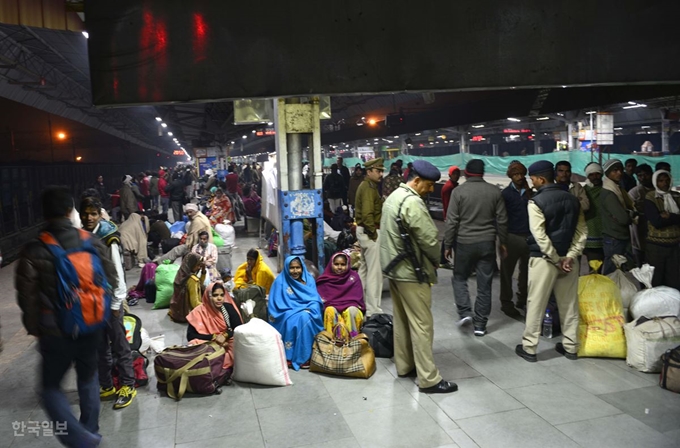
(503, 401)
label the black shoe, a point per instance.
(480, 331)
(442, 387)
(523, 354)
(510, 311)
(411, 374)
(559, 348)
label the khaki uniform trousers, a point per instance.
(544, 278)
(370, 271)
(414, 331)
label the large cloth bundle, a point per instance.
(259, 356)
(648, 339)
(343, 356)
(626, 286)
(227, 232)
(600, 318)
(653, 302)
(165, 275)
(195, 368)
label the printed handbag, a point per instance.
(342, 356)
(670, 370)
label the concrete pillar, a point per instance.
(495, 149)
(665, 133)
(464, 149)
(537, 147)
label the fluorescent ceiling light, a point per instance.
(477, 126)
(254, 131)
(514, 119)
(245, 136)
(396, 136)
(86, 34)
(170, 134)
(270, 123)
(164, 125)
(632, 102)
(159, 119)
(542, 118)
(645, 127)
(635, 106)
(617, 129)
(590, 112)
(417, 133)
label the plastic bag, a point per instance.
(157, 344)
(600, 317)
(217, 239)
(653, 302)
(227, 232)
(165, 275)
(146, 341)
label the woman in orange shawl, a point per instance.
(221, 209)
(254, 272)
(214, 320)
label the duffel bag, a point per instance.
(195, 368)
(670, 370)
(648, 339)
(379, 330)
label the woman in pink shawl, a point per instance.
(214, 320)
(342, 293)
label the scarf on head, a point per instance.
(262, 275)
(128, 180)
(669, 203)
(343, 290)
(179, 303)
(208, 319)
(621, 194)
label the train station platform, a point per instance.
(502, 401)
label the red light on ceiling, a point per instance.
(200, 37)
(477, 138)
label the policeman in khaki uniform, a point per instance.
(558, 236)
(368, 210)
(409, 257)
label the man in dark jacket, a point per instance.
(558, 236)
(36, 285)
(476, 217)
(618, 213)
(334, 188)
(176, 192)
(344, 172)
(516, 197)
(628, 181)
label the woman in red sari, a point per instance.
(214, 320)
(221, 209)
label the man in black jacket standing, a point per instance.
(176, 192)
(558, 236)
(37, 292)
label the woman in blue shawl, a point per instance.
(295, 310)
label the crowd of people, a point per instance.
(542, 228)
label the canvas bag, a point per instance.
(83, 302)
(648, 339)
(259, 356)
(195, 368)
(670, 370)
(343, 356)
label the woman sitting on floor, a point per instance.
(215, 320)
(254, 272)
(295, 311)
(187, 287)
(342, 294)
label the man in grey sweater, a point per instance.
(476, 216)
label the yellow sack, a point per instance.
(600, 317)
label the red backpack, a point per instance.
(83, 304)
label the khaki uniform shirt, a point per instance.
(368, 209)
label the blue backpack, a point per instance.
(83, 304)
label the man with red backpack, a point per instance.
(114, 341)
(63, 282)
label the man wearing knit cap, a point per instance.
(638, 233)
(447, 189)
(558, 235)
(367, 215)
(409, 256)
(618, 213)
(476, 216)
(516, 197)
(593, 250)
(563, 179)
